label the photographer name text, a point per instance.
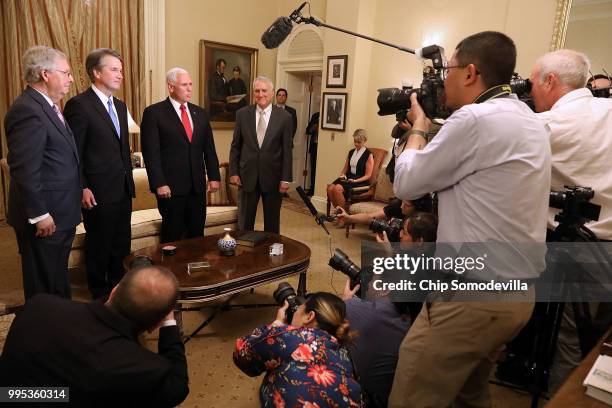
(514, 285)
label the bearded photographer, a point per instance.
(490, 164)
(580, 129)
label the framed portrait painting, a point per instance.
(226, 74)
(336, 71)
(334, 111)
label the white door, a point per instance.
(305, 96)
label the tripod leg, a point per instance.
(584, 327)
(302, 284)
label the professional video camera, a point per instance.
(391, 227)
(430, 95)
(341, 262)
(574, 203)
(283, 292)
(522, 88)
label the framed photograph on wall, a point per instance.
(226, 74)
(334, 111)
(336, 71)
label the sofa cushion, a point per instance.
(221, 215)
(144, 198)
(366, 207)
(221, 196)
(146, 223)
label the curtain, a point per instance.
(75, 27)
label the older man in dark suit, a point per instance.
(260, 157)
(44, 193)
(177, 142)
(93, 348)
(99, 123)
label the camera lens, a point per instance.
(283, 292)
(341, 262)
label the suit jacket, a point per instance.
(169, 156)
(43, 163)
(269, 164)
(293, 114)
(106, 166)
(94, 351)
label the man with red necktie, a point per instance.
(177, 144)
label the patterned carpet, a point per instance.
(296, 205)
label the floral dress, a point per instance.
(305, 367)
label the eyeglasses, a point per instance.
(67, 73)
(445, 68)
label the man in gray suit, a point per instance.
(260, 157)
(44, 195)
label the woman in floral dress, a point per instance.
(306, 364)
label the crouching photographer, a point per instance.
(396, 210)
(381, 323)
(305, 362)
(490, 164)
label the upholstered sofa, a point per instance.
(221, 212)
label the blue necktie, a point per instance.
(113, 117)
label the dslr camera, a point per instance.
(395, 101)
(283, 292)
(341, 262)
(392, 227)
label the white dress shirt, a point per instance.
(580, 127)
(267, 112)
(104, 99)
(490, 164)
(177, 108)
(355, 159)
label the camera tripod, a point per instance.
(541, 333)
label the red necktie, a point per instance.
(186, 124)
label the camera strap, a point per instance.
(494, 92)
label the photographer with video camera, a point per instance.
(383, 324)
(490, 164)
(306, 363)
(580, 132)
(580, 127)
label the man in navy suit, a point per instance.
(260, 157)
(99, 123)
(177, 144)
(281, 102)
(44, 193)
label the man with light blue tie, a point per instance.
(99, 124)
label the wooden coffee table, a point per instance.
(248, 268)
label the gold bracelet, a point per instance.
(417, 132)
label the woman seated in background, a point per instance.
(306, 363)
(356, 172)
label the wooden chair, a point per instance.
(365, 193)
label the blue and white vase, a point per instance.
(227, 244)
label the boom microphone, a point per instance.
(276, 34)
